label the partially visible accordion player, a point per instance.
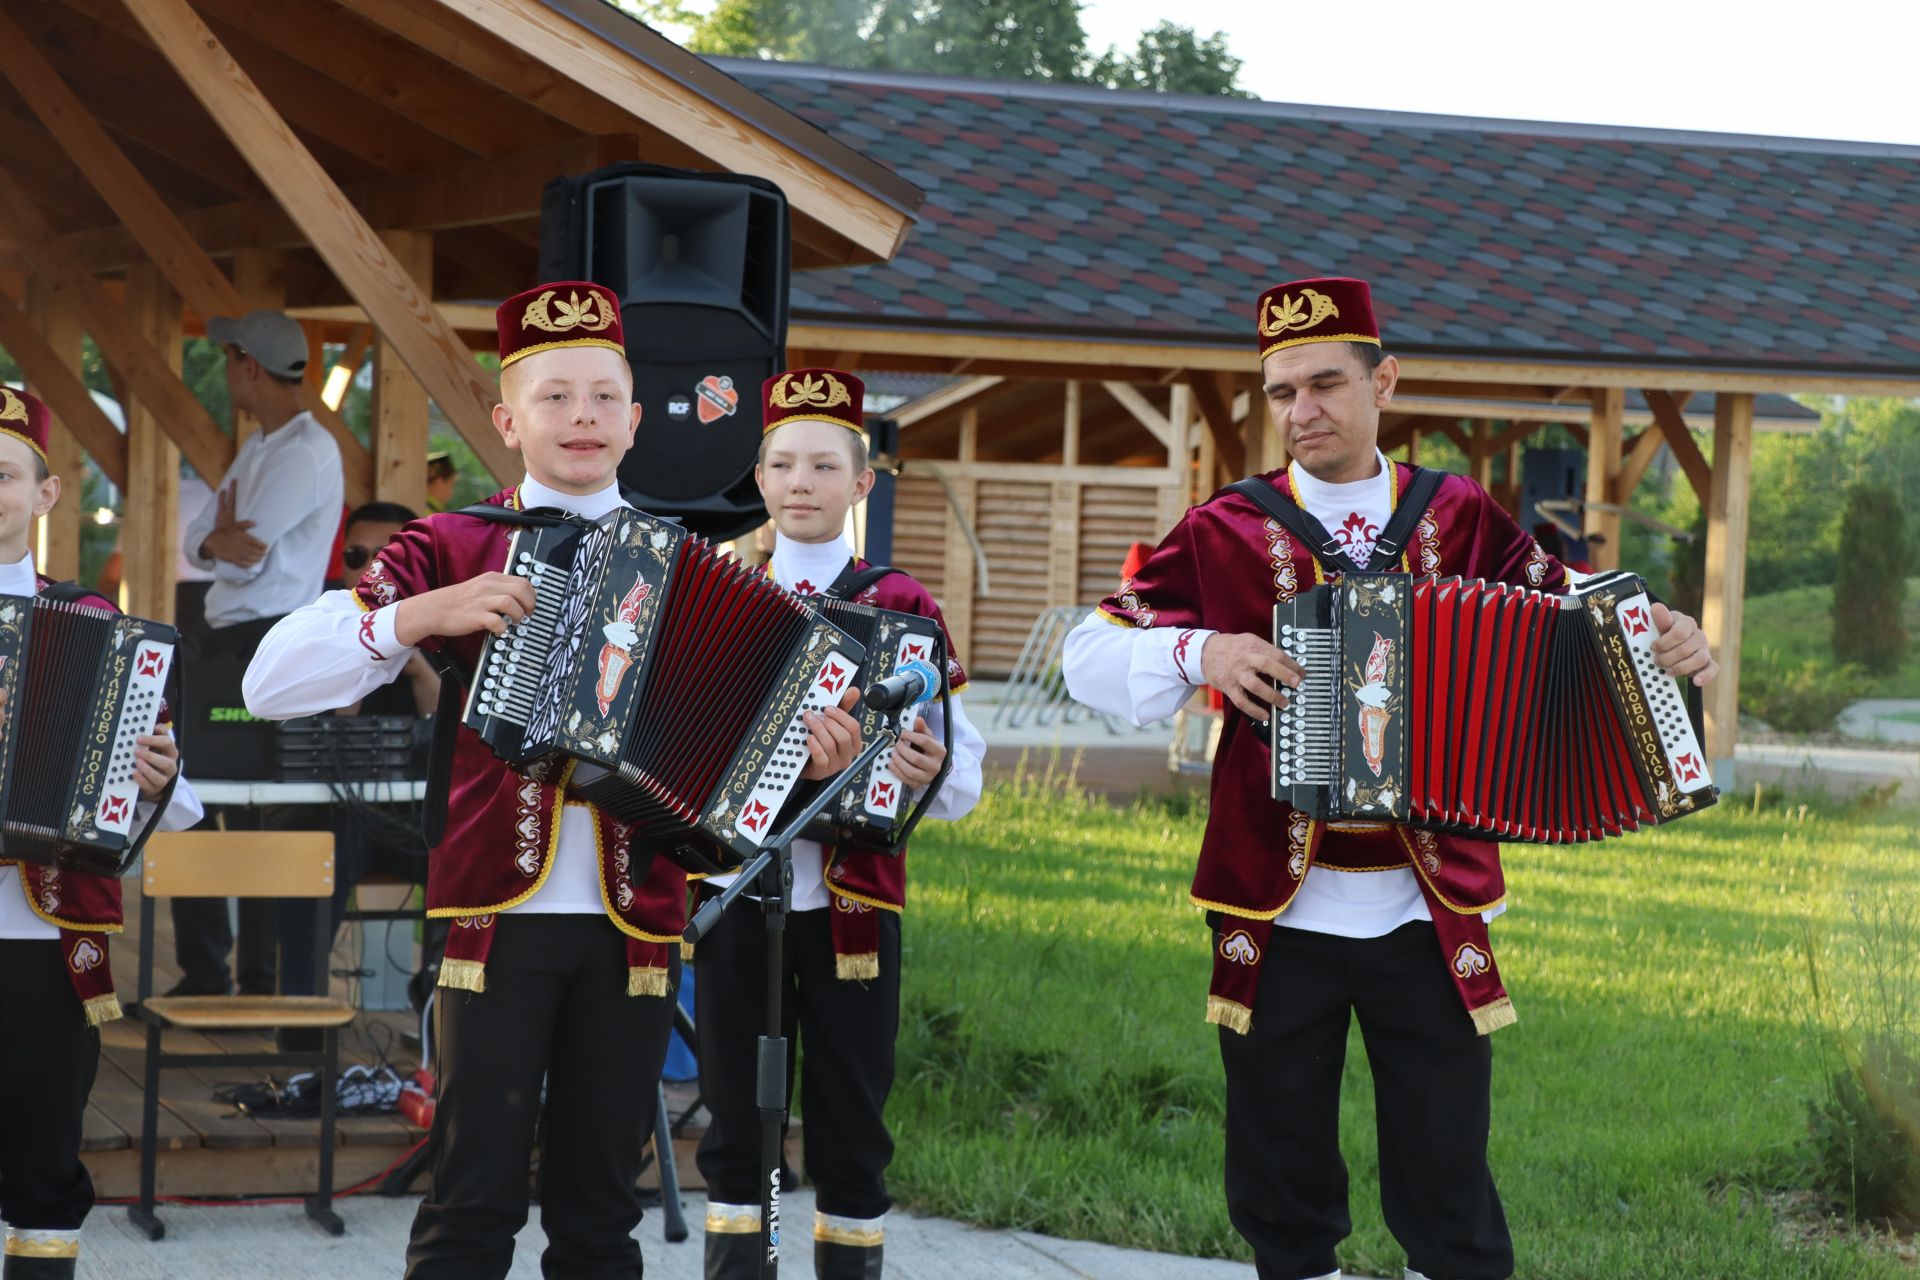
(82, 685)
(674, 676)
(1483, 708)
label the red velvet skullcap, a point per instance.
(1328, 309)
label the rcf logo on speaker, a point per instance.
(718, 398)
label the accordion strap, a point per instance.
(852, 581)
(68, 593)
(1326, 548)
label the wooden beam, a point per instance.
(1666, 416)
(1158, 424)
(45, 341)
(466, 193)
(1070, 426)
(1602, 527)
(1063, 543)
(1726, 577)
(1213, 397)
(1514, 433)
(1451, 430)
(338, 232)
(648, 94)
(150, 525)
(1639, 455)
(122, 343)
(400, 410)
(1480, 455)
(53, 373)
(942, 400)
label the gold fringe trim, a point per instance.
(1230, 1014)
(21, 1246)
(646, 980)
(686, 952)
(864, 967)
(103, 1009)
(1489, 1018)
(463, 975)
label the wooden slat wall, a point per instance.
(1112, 518)
(920, 519)
(1013, 529)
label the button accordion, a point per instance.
(872, 813)
(1483, 708)
(674, 676)
(82, 684)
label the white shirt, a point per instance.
(312, 661)
(288, 481)
(816, 565)
(1134, 673)
(17, 919)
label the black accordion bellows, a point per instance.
(674, 676)
(1483, 708)
(82, 684)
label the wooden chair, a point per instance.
(239, 864)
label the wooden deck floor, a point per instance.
(207, 1147)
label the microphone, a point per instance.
(913, 682)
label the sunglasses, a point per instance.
(355, 557)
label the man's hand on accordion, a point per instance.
(833, 738)
(1682, 649)
(1244, 667)
(485, 602)
(156, 758)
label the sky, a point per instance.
(1835, 69)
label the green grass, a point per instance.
(1797, 625)
(1056, 1073)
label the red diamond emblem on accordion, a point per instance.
(881, 793)
(754, 817)
(147, 663)
(833, 675)
(1687, 767)
(916, 650)
(1636, 620)
(114, 809)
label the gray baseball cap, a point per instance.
(274, 339)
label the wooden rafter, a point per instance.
(1213, 397)
(1157, 424)
(65, 394)
(121, 343)
(332, 225)
(1666, 416)
(944, 399)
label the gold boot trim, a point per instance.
(43, 1244)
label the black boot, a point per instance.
(21, 1267)
(846, 1261)
(732, 1254)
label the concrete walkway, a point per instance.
(252, 1242)
(1893, 720)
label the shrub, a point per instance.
(1803, 698)
(1870, 584)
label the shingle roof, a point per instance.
(1097, 213)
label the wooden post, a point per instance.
(399, 401)
(56, 544)
(1726, 577)
(1481, 455)
(1413, 447)
(1180, 459)
(1602, 528)
(150, 526)
(1513, 479)
(1070, 427)
(958, 604)
(259, 277)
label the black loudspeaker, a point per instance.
(700, 263)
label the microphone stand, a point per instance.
(772, 870)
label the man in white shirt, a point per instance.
(267, 537)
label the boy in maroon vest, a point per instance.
(56, 987)
(843, 938)
(1315, 923)
(557, 965)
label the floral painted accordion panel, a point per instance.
(82, 685)
(673, 675)
(1483, 708)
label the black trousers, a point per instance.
(556, 1009)
(48, 1056)
(845, 1034)
(202, 932)
(1286, 1182)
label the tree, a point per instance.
(1870, 588)
(988, 39)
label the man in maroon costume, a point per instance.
(557, 965)
(1315, 923)
(56, 986)
(843, 938)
